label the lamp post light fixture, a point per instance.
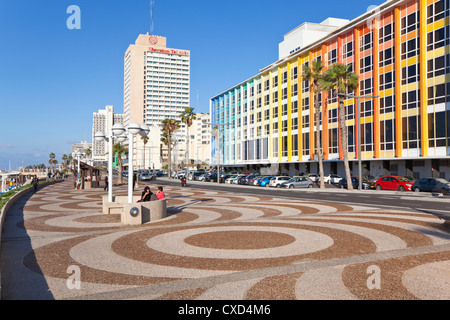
(100, 136)
(78, 156)
(358, 122)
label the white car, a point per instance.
(278, 180)
(231, 179)
(332, 178)
(314, 177)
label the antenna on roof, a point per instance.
(151, 17)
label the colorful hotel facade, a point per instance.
(400, 50)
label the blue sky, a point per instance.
(52, 78)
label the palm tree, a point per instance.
(120, 149)
(51, 158)
(145, 140)
(314, 74)
(169, 126)
(88, 152)
(338, 77)
(186, 117)
(64, 160)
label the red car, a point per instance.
(394, 183)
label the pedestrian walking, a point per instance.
(106, 183)
(134, 180)
(35, 182)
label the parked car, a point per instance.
(264, 181)
(278, 180)
(202, 177)
(314, 177)
(355, 182)
(332, 178)
(371, 180)
(224, 177)
(394, 183)
(432, 185)
(242, 179)
(297, 182)
(211, 177)
(231, 178)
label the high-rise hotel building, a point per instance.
(401, 52)
(156, 81)
(156, 86)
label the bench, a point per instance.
(135, 213)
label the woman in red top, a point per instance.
(160, 194)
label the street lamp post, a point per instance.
(132, 129)
(218, 146)
(358, 122)
(78, 155)
(99, 136)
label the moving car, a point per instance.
(331, 178)
(146, 177)
(394, 183)
(297, 182)
(432, 185)
(278, 180)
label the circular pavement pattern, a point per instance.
(218, 245)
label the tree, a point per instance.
(169, 126)
(64, 159)
(339, 78)
(51, 158)
(315, 74)
(120, 149)
(88, 152)
(186, 117)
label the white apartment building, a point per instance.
(102, 121)
(200, 139)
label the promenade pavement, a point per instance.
(217, 245)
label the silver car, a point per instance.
(298, 182)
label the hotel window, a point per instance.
(365, 87)
(349, 112)
(258, 119)
(365, 64)
(284, 144)
(266, 99)
(266, 114)
(305, 143)
(252, 91)
(367, 108)
(252, 105)
(347, 49)
(259, 88)
(351, 138)
(267, 85)
(411, 132)
(332, 115)
(284, 94)
(275, 147)
(387, 135)
(410, 74)
(284, 109)
(365, 42)
(294, 90)
(294, 106)
(332, 57)
(386, 57)
(284, 124)
(410, 22)
(284, 77)
(387, 80)
(436, 129)
(295, 145)
(305, 104)
(333, 146)
(436, 94)
(275, 97)
(258, 103)
(294, 123)
(294, 73)
(275, 81)
(275, 112)
(332, 96)
(438, 66)
(438, 38)
(386, 33)
(437, 11)
(305, 121)
(386, 104)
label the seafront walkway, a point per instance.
(216, 245)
